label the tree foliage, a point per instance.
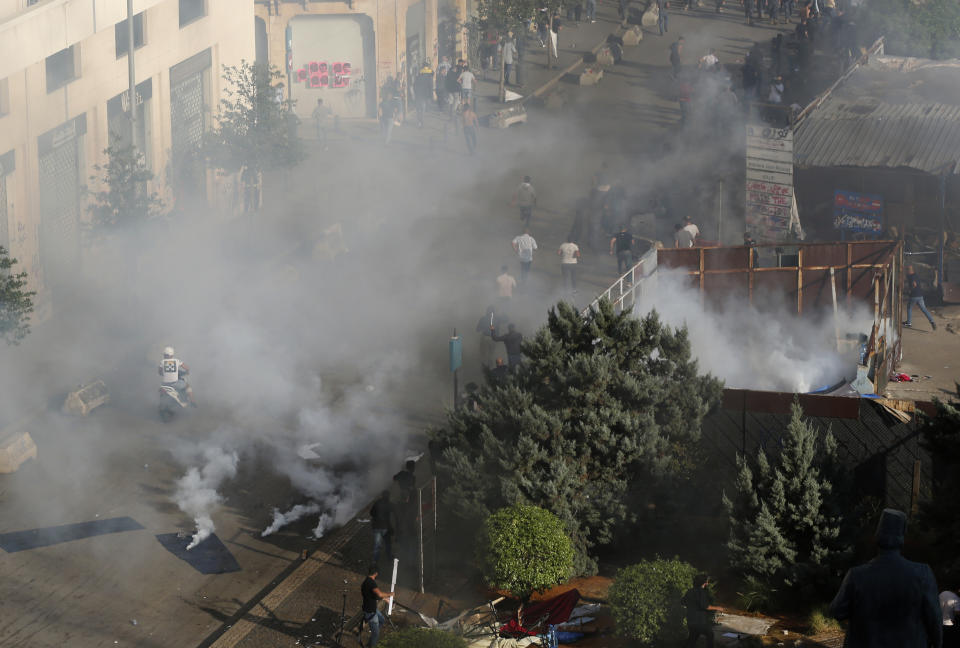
(645, 600)
(787, 527)
(598, 403)
(16, 303)
(928, 29)
(254, 126)
(123, 198)
(940, 515)
(422, 638)
(523, 550)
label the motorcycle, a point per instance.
(171, 402)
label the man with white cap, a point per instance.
(172, 371)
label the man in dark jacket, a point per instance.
(513, 341)
(915, 298)
(382, 520)
(698, 601)
(890, 602)
(423, 91)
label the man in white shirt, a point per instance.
(569, 253)
(466, 80)
(505, 284)
(690, 227)
(709, 60)
(524, 245)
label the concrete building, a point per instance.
(344, 51)
(63, 91)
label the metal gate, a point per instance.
(60, 209)
(186, 114)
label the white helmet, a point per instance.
(168, 351)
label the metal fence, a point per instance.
(632, 286)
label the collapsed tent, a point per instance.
(543, 617)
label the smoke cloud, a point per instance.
(196, 493)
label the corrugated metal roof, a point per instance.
(867, 132)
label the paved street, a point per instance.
(286, 342)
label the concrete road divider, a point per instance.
(591, 75)
(16, 447)
(632, 36)
(86, 398)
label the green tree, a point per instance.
(123, 198)
(787, 528)
(928, 28)
(598, 404)
(422, 638)
(940, 515)
(645, 600)
(16, 304)
(255, 129)
(523, 550)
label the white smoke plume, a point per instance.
(281, 519)
(326, 521)
(772, 349)
(197, 494)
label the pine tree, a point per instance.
(598, 403)
(786, 527)
(940, 516)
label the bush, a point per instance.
(422, 638)
(820, 621)
(645, 600)
(523, 549)
(755, 595)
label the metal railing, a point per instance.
(623, 292)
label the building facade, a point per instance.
(344, 52)
(64, 92)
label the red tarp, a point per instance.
(557, 610)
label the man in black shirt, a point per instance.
(371, 596)
(381, 521)
(622, 245)
(513, 341)
(915, 296)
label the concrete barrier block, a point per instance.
(650, 16)
(555, 101)
(16, 447)
(591, 76)
(605, 57)
(633, 36)
(86, 398)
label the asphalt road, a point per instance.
(426, 228)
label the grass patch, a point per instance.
(819, 621)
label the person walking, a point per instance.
(505, 284)
(321, 114)
(513, 342)
(487, 349)
(524, 245)
(509, 54)
(915, 298)
(423, 91)
(676, 50)
(699, 603)
(525, 197)
(663, 15)
(371, 598)
(470, 125)
(569, 254)
(592, 10)
(466, 81)
(382, 519)
(691, 227)
(622, 245)
(682, 237)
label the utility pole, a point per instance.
(132, 74)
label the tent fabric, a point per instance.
(556, 610)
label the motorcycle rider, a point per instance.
(172, 371)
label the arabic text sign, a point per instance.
(769, 186)
(856, 212)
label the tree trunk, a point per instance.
(503, 93)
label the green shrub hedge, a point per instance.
(645, 600)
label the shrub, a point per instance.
(422, 638)
(755, 595)
(820, 621)
(645, 600)
(523, 549)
